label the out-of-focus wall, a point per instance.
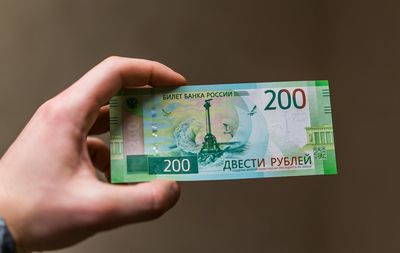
(47, 45)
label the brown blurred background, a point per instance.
(47, 45)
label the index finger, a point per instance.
(98, 85)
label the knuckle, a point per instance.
(112, 63)
(53, 112)
(49, 109)
(151, 64)
(112, 60)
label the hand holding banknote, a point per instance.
(50, 196)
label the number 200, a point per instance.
(291, 99)
(177, 165)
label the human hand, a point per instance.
(50, 196)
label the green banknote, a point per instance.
(226, 131)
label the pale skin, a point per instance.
(50, 196)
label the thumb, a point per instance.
(134, 203)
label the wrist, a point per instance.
(7, 243)
(10, 236)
